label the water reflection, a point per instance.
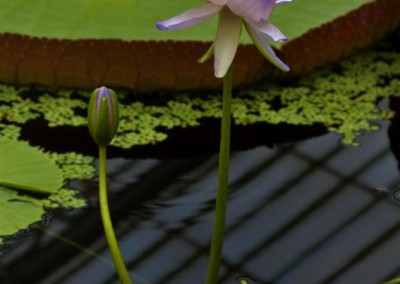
(300, 213)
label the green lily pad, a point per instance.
(24, 170)
(85, 43)
(135, 19)
(17, 211)
(27, 168)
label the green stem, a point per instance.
(214, 260)
(393, 281)
(122, 272)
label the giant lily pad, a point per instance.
(340, 98)
(87, 43)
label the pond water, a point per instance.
(308, 212)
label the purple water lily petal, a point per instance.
(265, 49)
(189, 18)
(254, 10)
(232, 13)
(104, 92)
(268, 30)
(278, 2)
(226, 41)
(103, 115)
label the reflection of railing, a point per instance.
(305, 213)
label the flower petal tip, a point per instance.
(285, 68)
(161, 26)
(219, 75)
(283, 1)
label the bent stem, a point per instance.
(122, 272)
(214, 260)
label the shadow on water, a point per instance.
(182, 142)
(307, 212)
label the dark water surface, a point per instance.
(298, 213)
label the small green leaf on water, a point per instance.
(65, 198)
(74, 165)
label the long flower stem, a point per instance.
(214, 260)
(122, 272)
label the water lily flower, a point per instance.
(103, 116)
(232, 13)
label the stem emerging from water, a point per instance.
(122, 272)
(214, 260)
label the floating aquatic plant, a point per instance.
(74, 165)
(348, 92)
(30, 182)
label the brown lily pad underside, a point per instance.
(171, 65)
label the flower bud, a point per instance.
(103, 116)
